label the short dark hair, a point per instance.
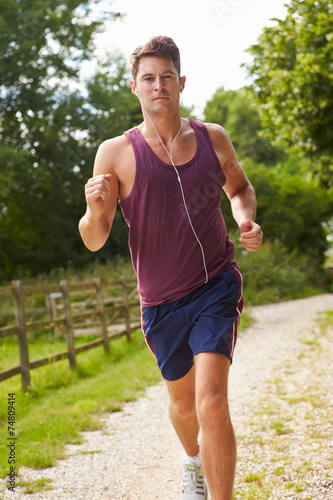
(158, 46)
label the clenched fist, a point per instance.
(97, 190)
(251, 235)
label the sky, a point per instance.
(212, 36)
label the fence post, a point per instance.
(51, 304)
(52, 307)
(69, 324)
(21, 333)
(126, 308)
(100, 305)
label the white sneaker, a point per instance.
(194, 486)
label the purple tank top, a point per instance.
(166, 256)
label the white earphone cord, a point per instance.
(181, 189)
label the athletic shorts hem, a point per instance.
(206, 320)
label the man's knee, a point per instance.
(212, 409)
(183, 407)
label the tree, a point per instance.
(51, 122)
(236, 111)
(292, 209)
(293, 79)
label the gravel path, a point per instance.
(281, 402)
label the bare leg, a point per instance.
(182, 411)
(218, 445)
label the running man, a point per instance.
(167, 175)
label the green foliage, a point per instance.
(274, 274)
(236, 111)
(51, 123)
(292, 209)
(292, 71)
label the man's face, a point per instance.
(158, 83)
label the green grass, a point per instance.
(111, 270)
(39, 347)
(254, 478)
(31, 487)
(279, 427)
(246, 320)
(62, 403)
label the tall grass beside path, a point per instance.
(61, 403)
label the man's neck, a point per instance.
(166, 127)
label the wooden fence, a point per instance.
(108, 309)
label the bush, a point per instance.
(274, 274)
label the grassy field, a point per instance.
(62, 403)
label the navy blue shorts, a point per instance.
(205, 320)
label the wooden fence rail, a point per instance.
(113, 316)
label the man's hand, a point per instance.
(250, 235)
(96, 190)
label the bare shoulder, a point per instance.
(221, 144)
(115, 143)
(110, 154)
(110, 149)
(218, 135)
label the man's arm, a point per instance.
(238, 189)
(101, 193)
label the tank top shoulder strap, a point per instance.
(134, 136)
(140, 147)
(204, 138)
(201, 131)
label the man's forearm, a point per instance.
(94, 231)
(244, 205)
